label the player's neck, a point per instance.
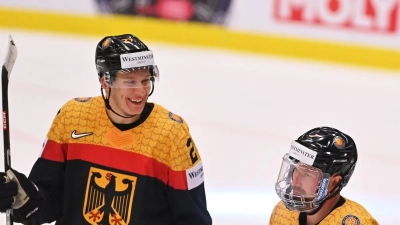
(120, 120)
(323, 211)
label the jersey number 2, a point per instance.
(192, 153)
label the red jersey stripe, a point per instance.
(115, 158)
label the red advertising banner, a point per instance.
(365, 15)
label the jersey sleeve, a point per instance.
(186, 192)
(274, 215)
(47, 173)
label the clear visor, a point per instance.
(299, 185)
(139, 77)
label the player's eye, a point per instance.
(129, 82)
(146, 82)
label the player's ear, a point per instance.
(335, 179)
(104, 83)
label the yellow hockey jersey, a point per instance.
(91, 171)
(350, 213)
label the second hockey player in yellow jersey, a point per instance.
(319, 164)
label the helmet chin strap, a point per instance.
(108, 106)
(152, 86)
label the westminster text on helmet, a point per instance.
(302, 153)
(137, 59)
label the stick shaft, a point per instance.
(5, 75)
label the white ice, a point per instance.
(243, 111)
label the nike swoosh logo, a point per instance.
(74, 135)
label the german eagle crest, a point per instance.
(109, 197)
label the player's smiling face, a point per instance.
(129, 92)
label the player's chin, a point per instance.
(135, 108)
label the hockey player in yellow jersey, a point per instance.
(115, 158)
(314, 171)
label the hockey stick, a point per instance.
(5, 76)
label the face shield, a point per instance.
(301, 186)
(137, 70)
(139, 77)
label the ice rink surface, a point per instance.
(243, 111)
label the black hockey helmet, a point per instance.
(123, 52)
(336, 151)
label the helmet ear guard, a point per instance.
(346, 177)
